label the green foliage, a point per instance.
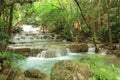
(116, 33)
(11, 57)
(4, 37)
(55, 15)
(16, 29)
(99, 70)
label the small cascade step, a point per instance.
(52, 53)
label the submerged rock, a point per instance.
(70, 70)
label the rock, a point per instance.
(3, 46)
(83, 47)
(73, 48)
(14, 74)
(3, 77)
(23, 51)
(35, 74)
(118, 54)
(69, 70)
(17, 74)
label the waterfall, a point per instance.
(30, 37)
(68, 50)
(42, 54)
(53, 52)
(58, 51)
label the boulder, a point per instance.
(83, 47)
(35, 74)
(70, 70)
(12, 74)
(17, 74)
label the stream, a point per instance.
(49, 51)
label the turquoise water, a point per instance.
(45, 64)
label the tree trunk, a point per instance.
(10, 21)
(94, 38)
(43, 27)
(76, 1)
(118, 11)
(108, 24)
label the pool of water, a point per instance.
(112, 59)
(45, 64)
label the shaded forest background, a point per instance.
(73, 20)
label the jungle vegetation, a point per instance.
(74, 20)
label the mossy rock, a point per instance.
(34, 74)
(70, 70)
(3, 46)
(82, 47)
(3, 77)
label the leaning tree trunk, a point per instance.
(94, 38)
(118, 13)
(10, 21)
(83, 16)
(108, 24)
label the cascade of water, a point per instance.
(38, 55)
(30, 37)
(42, 54)
(16, 37)
(53, 52)
(58, 51)
(91, 50)
(68, 50)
